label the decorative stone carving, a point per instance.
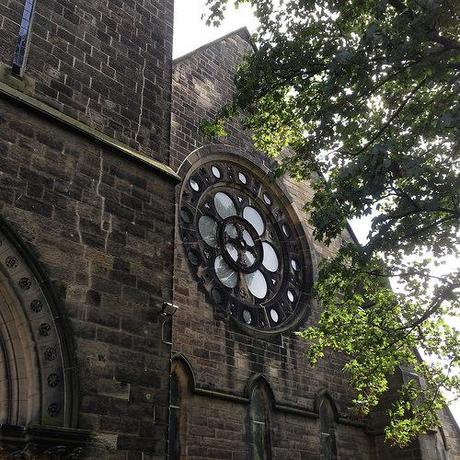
(29, 321)
(244, 245)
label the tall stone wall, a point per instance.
(96, 214)
(105, 63)
(101, 228)
(224, 358)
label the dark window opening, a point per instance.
(22, 46)
(327, 427)
(174, 421)
(260, 424)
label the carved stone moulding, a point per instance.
(42, 442)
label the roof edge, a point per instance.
(243, 32)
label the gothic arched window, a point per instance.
(244, 244)
(327, 430)
(180, 381)
(260, 423)
(442, 449)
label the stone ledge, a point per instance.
(18, 96)
(43, 440)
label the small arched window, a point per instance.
(180, 382)
(260, 422)
(327, 430)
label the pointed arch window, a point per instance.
(260, 402)
(327, 430)
(181, 383)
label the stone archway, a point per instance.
(38, 384)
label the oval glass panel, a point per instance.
(267, 198)
(232, 252)
(243, 179)
(254, 218)
(290, 296)
(207, 227)
(194, 184)
(274, 315)
(248, 238)
(248, 259)
(224, 205)
(216, 172)
(257, 284)
(270, 260)
(247, 316)
(231, 231)
(226, 275)
(295, 265)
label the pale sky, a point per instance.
(191, 32)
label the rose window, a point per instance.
(242, 245)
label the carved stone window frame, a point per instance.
(264, 186)
(41, 385)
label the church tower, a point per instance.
(86, 228)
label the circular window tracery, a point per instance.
(243, 245)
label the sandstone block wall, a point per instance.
(224, 358)
(101, 227)
(106, 63)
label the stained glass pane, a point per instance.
(224, 205)
(254, 218)
(247, 317)
(232, 252)
(270, 261)
(216, 172)
(226, 275)
(274, 315)
(230, 230)
(248, 258)
(248, 238)
(257, 284)
(194, 184)
(207, 227)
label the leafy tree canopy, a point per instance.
(366, 92)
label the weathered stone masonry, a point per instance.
(101, 228)
(94, 140)
(217, 364)
(107, 64)
(95, 215)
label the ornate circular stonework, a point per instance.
(244, 244)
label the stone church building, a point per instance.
(151, 280)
